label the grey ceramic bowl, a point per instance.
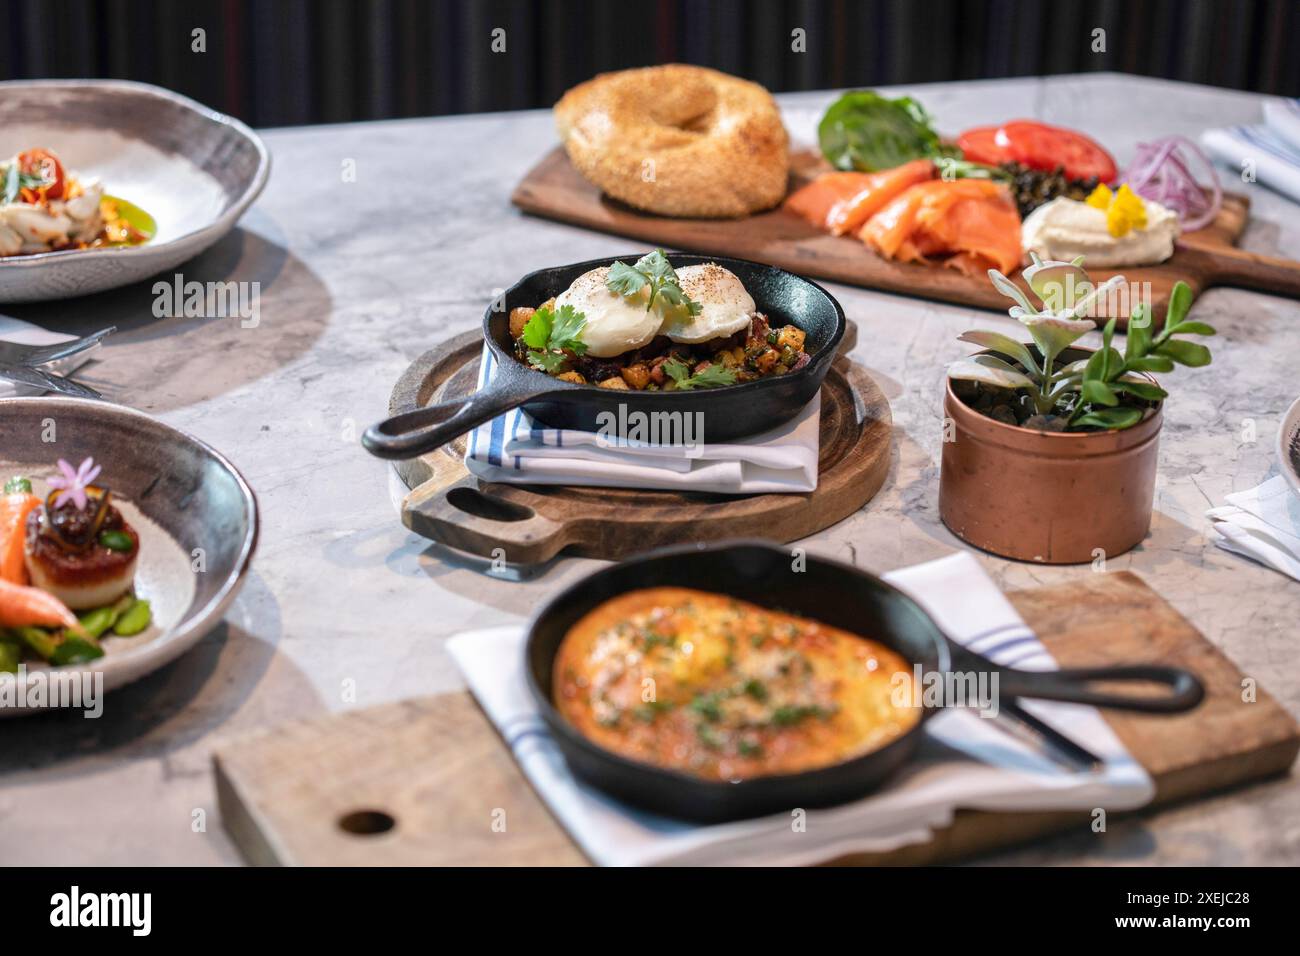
(195, 514)
(193, 169)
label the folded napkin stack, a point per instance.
(966, 760)
(1272, 147)
(1262, 524)
(516, 449)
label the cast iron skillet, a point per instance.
(728, 412)
(833, 593)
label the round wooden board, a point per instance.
(528, 524)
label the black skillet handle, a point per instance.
(414, 433)
(1072, 686)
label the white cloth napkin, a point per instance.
(1272, 146)
(1262, 524)
(24, 333)
(967, 761)
(514, 448)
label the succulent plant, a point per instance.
(1107, 390)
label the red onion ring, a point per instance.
(1159, 173)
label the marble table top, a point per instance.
(345, 608)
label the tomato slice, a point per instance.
(979, 145)
(43, 163)
(1040, 146)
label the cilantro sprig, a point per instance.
(549, 332)
(715, 376)
(655, 271)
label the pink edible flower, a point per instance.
(74, 482)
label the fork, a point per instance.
(39, 378)
(33, 355)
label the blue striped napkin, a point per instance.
(1272, 147)
(514, 448)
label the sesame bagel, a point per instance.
(677, 140)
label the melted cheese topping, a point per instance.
(727, 690)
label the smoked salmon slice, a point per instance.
(14, 509)
(972, 221)
(842, 202)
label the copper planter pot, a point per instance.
(1052, 497)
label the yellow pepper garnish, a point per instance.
(1124, 209)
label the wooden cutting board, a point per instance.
(423, 782)
(555, 189)
(529, 524)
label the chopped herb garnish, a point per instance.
(756, 689)
(651, 709)
(748, 748)
(789, 716)
(15, 181)
(651, 639)
(653, 270)
(708, 737)
(18, 485)
(714, 376)
(549, 332)
(708, 706)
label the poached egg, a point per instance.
(615, 323)
(725, 305)
(618, 323)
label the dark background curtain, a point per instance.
(282, 62)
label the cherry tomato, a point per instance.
(978, 145)
(43, 163)
(1040, 146)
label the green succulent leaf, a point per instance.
(1111, 418)
(1096, 392)
(989, 370)
(1138, 341)
(1012, 291)
(1004, 344)
(1108, 334)
(1191, 354)
(1053, 335)
(1151, 363)
(1146, 390)
(1059, 284)
(1180, 303)
(1194, 328)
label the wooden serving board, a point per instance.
(532, 523)
(556, 190)
(422, 782)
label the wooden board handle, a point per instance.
(1225, 265)
(463, 516)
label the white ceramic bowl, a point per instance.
(193, 169)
